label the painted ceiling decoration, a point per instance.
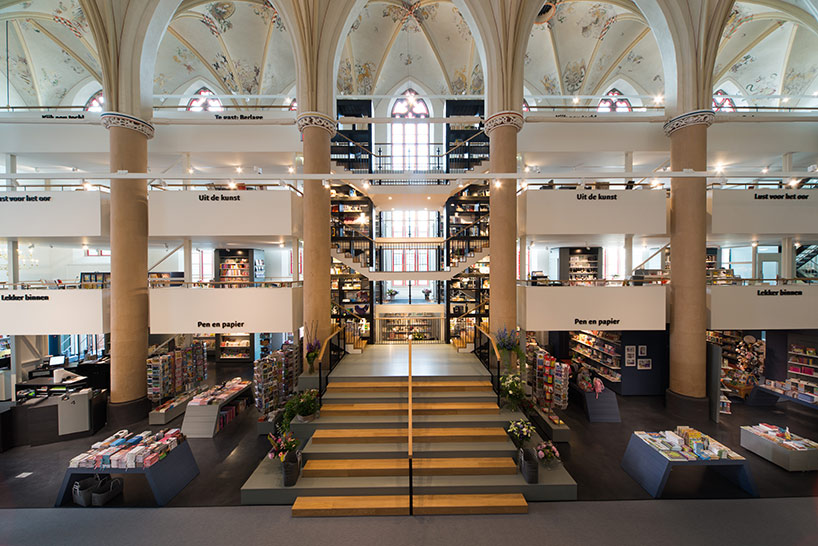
(768, 48)
(393, 43)
(51, 53)
(580, 47)
(239, 48)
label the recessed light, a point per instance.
(291, 169)
(238, 170)
(390, 197)
(576, 100)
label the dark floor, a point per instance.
(593, 457)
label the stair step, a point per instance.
(419, 408)
(398, 435)
(398, 386)
(398, 505)
(400, 467)
(386, 450)
(397, 396)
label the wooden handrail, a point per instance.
(464, 228)
(326, 342)
(485, 330)
(478, 306)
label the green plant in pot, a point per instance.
(512, 390)
(391, 293)
(308, 405)
(508, 343)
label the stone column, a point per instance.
(628, 256)
(188, 258)
(688, 226)
(316, 130)
(502, 129)
(787, 269)
(128, 137)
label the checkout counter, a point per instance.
(54, 408)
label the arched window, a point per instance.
(293, 105)
(614, 104)
(410, 141)
(526, 108)
(95, 103)
(204, 101)
(723, 103)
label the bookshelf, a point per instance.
(351, 292)
(474, 152)
(579, 264)
(394, 328)
(628, 362)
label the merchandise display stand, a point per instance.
(602, 409)
(201, 421)
(166, 478)
(559, 433)
(165, 417)
(788, 459)
(651, 469)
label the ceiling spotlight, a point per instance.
(527, 169)
(658, 99)
(238, 170)
(797, 244)
(755, 244)
(190, 171)
(390, 197)
(87, 185)
(785, 99)
(719, 168)
(524, 186)
(460, 185)
(232, 185)
(576, 100)
(428, 197)
(291, 169)
(497, 183)
(280, 245)
(793, 182)
(326, 184)
(366, 185)
(765, 170)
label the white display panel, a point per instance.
(224, 213)
(546, 308)
(763, 307)
(764, 211)
(52, 214)
(225, 310)
(54, 312)
(588, 212)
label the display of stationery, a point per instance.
(797, 389)
(687, 444)
(274, 379)
(782, 437)
(219, 393)
(125, 450)
(176, 372)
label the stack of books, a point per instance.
(127, 450)
(782, 437)
(687, 444)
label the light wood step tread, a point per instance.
(419, 408)
(404, 385)
(459, 466)
(398, 505)
(397, 435)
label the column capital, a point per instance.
(118, 119)
(696, 117)
(508, 117)
(317, 119)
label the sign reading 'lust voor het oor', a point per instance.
(19, 199)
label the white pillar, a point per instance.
(628, 162)
(628, 256)
(786, 163)
(787, 258)
(188, 168)
(523, 258)
(296, 261)
(754, 263)
(11, 167)
(188, 257)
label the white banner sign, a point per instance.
(224, 213)
(51, 214)
(225, 310)
(564, 308)
(763, 307)
(764, 211)
(589, 212)
(54, 312)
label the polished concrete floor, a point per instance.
(592, 457)
(657, 523)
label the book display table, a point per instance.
(166, 478)
(769, 442)
(169, 411)
(651, 467)
(202, 415)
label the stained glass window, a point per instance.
(410, 141)
(723, 103)
(204, 101)
(617, 103)
(95, 103)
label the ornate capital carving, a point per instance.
(697, 117)
(116, 119)
(503, 118)
(317, 119)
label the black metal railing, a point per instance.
(335, 351)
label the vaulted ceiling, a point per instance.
(51, 52)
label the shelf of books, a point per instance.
(393, 328)
(742, 361)
(209, 342)
(779, 446)
(466, 298)
(238, 347)
(173, 379)
(352, 297)
(579, 264)
(628, 362)
(351, 213)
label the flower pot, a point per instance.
(305, 418)
(311, 362)
(291, 468)
(552, 464)
(508, 359)
(528, 465)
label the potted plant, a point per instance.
(313, 347)
(520, 432)
(284, 448)
(307, 406)
(511, 390)
(508, 343)
(548, 454)
(391, 293)
(427, 292)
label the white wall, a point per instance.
(763, 307)
(64, 312)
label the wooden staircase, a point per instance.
(398, 505)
